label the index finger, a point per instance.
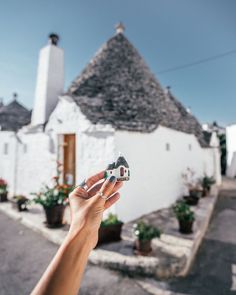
(91, 181)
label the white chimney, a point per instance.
(50, 80)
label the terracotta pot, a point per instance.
(143, 247)
(109, 233)
(185, 227)
(54, 216)
(3, 197)
(190, 200)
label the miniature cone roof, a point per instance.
(14, 116)
(118, 88)
(120, 162)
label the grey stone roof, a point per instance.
(118, 88)
(121, 161)
(14, 116)
(111, 166)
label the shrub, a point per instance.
(111, 220)
(207, 182)
(146, 232)
(183, 211)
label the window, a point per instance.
(5, 149)
(167, 147)
(190, 147)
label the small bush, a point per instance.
(146, 232)
(183, 211)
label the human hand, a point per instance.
(89, 201)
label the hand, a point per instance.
(87, 206)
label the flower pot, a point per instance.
(54, 216)
(190, 200)
(3, 197)
(206, 191)
(195, 193)
(143, 247)
(110, 233)
(185, 227)
(20, 205)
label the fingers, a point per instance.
(112, 200)
(98, 187)
(95, 178)
(117, 186)
(95, 189)
(107, 188)
(80, 191)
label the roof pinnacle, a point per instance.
(120, 28)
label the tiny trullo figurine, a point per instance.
(120, 169)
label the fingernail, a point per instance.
(112, 178)
(83, 182)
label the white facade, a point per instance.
(157, 161)
(50, 82)
(8, 160)
(231, 150)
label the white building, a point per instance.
(115, 105)
(231, 150)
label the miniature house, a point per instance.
(120, 169)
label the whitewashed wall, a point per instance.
(7, 161)
(36, 162)
(156, 180)
(231, 150)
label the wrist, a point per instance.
(83, 235)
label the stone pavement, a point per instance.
(214, 272)
(24, 255)
(172, 254)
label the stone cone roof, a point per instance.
(14, 116)
(118, 88)
(121, 161)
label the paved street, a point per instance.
(25, 254)
(213, 270)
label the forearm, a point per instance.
(63, 275)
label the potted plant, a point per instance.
(110, 229)
(54, 200)
(185, 217)
(194, 189)
(3, 190)
(207, 182)
(144, 234)
(20, 203)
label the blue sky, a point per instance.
(167, 33)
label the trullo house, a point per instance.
(115, 105)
